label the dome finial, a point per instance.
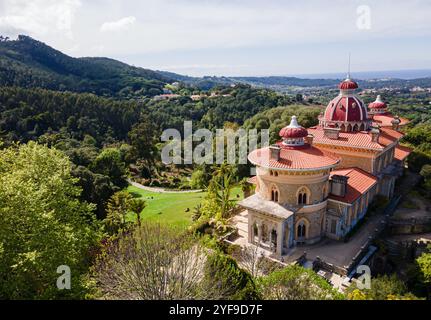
(294, 122)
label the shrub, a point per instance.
(223, 275)
(296, 283)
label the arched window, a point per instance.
(255, 230)
(303, 196)
(274, 194)
(274, 237)
(301, 230)
(264, 233)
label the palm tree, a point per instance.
(136, 206)
(118, 206)
(221, 185)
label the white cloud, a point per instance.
(222, 36)
(38, 17)
(166, 25)
(119, 25)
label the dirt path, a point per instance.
(160, 190)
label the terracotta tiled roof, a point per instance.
(294, 158)
(361, 139)
(384, 120)
(359, 182)
(401, 153)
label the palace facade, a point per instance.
(318, 182)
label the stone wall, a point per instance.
(288, 192)
(315, 226)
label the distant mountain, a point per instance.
(284, 84)
(26, 62)
(287, 81)
(29, 63)
(374, 75)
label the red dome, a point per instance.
(287, 132)
(346, 108)
(378, 104)
(293, 130)
(348, 85)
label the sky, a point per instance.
(232, 37)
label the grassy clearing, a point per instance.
(171, 207)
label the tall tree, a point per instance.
(142, 139)
(43, 225)
(110, 163)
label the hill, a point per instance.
(296, 84)
(29, 63)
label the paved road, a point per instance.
(160, 190)
(338, 252)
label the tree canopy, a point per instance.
(43, 224)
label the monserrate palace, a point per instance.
(318, 182)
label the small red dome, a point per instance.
(378, 104)
(293, 130)
(348, 85)
(287, 132)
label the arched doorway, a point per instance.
(255, 233)
(301, 231)
(286, 238)
(274, 239)
(265, 233)
(274, 194)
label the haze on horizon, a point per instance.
(232, 37)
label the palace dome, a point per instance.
(347, 109)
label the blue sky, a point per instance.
(235, 37)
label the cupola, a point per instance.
(293, 134)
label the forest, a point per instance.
(73, 131)
(29, 63)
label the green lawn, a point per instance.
(171, 207)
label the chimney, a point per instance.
(396, 123)
(274, 152)
(338, 185)
(331, 133)
(375, 133)
(309, 139)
